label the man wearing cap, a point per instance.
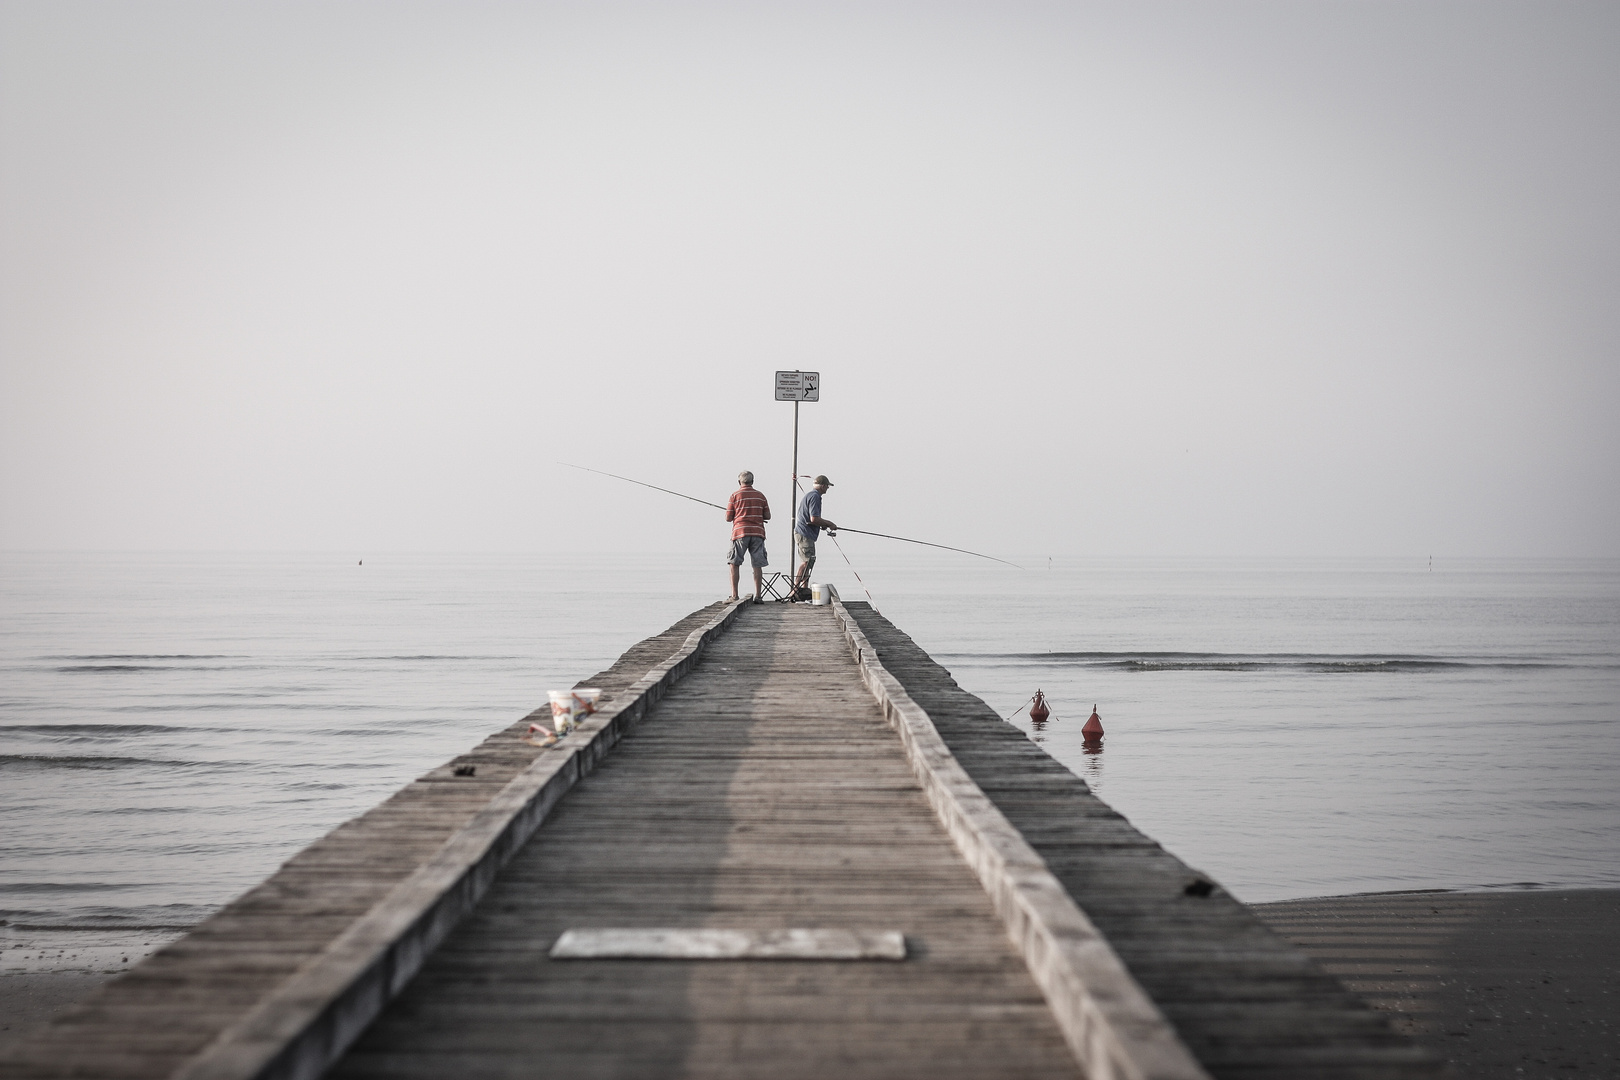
(807, 527)
(748, 512)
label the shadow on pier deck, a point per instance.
(754, 769)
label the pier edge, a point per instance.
(1109, 1021)
(307, 1023)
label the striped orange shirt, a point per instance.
(749, 511)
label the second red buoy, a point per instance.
(1093, 731)
(1038, 712)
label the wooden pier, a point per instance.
(899, 885)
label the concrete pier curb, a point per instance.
(1113, 1027)
(307, 1023)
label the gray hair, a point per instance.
(745, 477)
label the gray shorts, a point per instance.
(751, 546)
(807, 550)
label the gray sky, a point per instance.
(1271, 278)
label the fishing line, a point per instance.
(925, 543)
(834, 538)
(1015, 712)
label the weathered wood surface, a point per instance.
(1243, 1000)
(160, 1019)
(764, 792)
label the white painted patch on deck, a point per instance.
(672, 944)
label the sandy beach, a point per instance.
(31, 998)
(1503, 984)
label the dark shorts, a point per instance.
(751, 546)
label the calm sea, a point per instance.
(173, 727)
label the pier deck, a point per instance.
(764, 792)
(756, 768)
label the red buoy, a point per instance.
(1038, 712)
(1093, 731)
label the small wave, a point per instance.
(65, 886)
(102, 669)
(428, 657)
(1322, 666)
(100, 928)
(246, 706)
(105, 731)
(138, 811)
(260, 693)
(147, 656)
(62, 761)
(1306, 663)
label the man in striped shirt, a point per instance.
(748, 512)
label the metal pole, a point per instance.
(793, 508)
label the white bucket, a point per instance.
(822, 595)
(563, 716)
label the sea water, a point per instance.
(1321, 728)
(173, 727)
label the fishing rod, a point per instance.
(655, 487)
(841, 528)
